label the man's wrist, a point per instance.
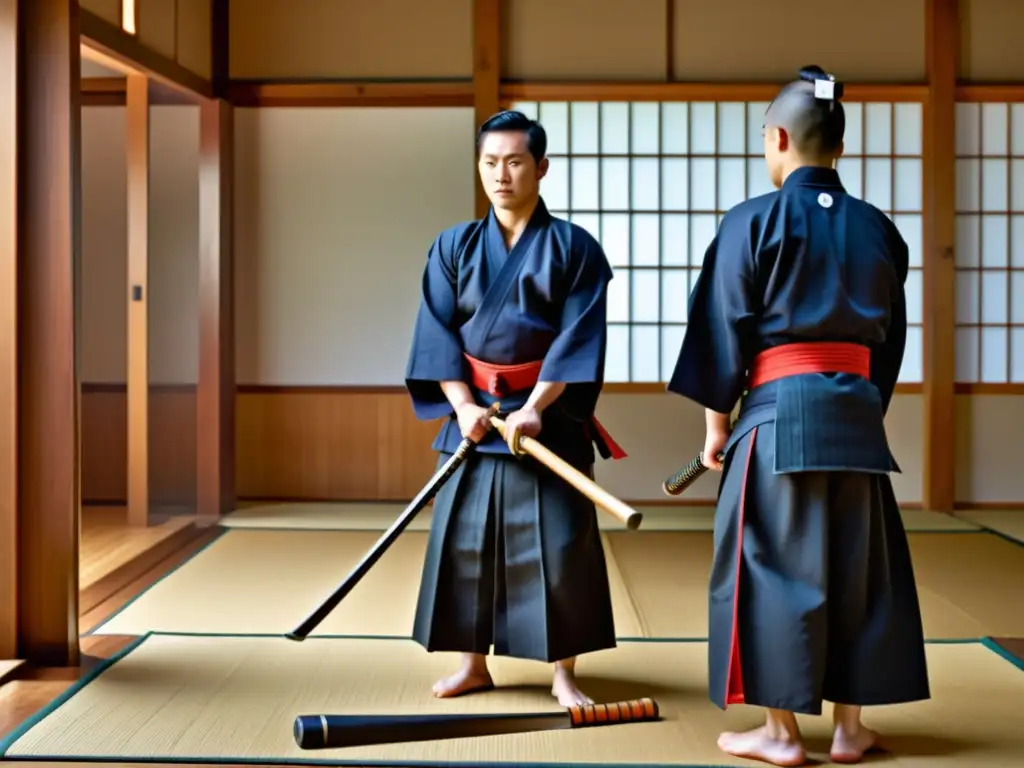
(716, 422)
(457, 393)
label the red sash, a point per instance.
(499, 380)
(809, 357)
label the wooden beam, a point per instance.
(137, 297)
(103, 91)
(679, 91)
(8, 329)
(112, 92)
(456, 93)
(252, 93)
(486, 77)
(215, 397)
(49, 260)
(939, 171)
(990, 92)
(111, 40)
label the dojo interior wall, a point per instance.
(335, 208)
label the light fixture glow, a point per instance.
(128, 16)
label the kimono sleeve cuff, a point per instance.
(423, 382)
(564, 370)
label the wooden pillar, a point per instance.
(8, 331)
(137, 147)
(38, 350)
(941, 46)
(486, 76)
(215, 404)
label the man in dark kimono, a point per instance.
(513, 309)
(800, 311)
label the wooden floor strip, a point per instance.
(109, 541)
(124, 575)
(10, 668)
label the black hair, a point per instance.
(810, 111)
(510, 120)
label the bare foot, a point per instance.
(472, 677)
(564, 688)
(848, 747)
(758, 744)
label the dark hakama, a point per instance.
(514, 559)
(812, 594)
(826, 605)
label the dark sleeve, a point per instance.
(887, 357)
(436, 354)
(577, 353)
(717, 348)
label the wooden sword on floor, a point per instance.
(337, 731)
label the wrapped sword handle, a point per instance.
(634, 710)
(686, 476)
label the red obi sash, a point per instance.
(809, 357)
(499, 380)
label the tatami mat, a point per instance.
(1009, 522)
(267, 581)
(963, 582)
(378, 516)
(234, 699)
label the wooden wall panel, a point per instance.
(195, 35)
(383, 39)
(990, 35)
(157, 26)
(751, 40)
(172, 445)
(584, 40)
(104, 444)
(108, 10)
(308, 444)
(644, 39)
(302, 444)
